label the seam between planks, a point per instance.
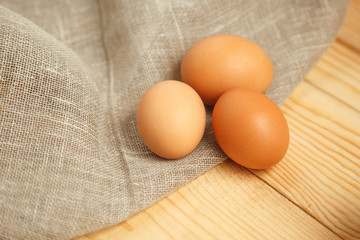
(294, 203)
(348, 45)
(331, 95)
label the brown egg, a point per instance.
(219, 63)
(171, 119)
(250, 128)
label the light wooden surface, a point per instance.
(313, 193)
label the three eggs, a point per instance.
(230, 73)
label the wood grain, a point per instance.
(337, 74)
(314, 193)
(228, 202)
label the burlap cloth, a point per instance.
(71, 76)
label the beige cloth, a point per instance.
(71, 75)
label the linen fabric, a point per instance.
(71, 76)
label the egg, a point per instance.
(171, 119)
(219, 63)
(250, 128)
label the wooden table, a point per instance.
(313, 193)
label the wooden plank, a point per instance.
(228, 202)
(338, 74)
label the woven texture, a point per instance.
(71, 76)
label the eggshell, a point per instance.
(250, 128)
(219, 63)
(171, 119)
